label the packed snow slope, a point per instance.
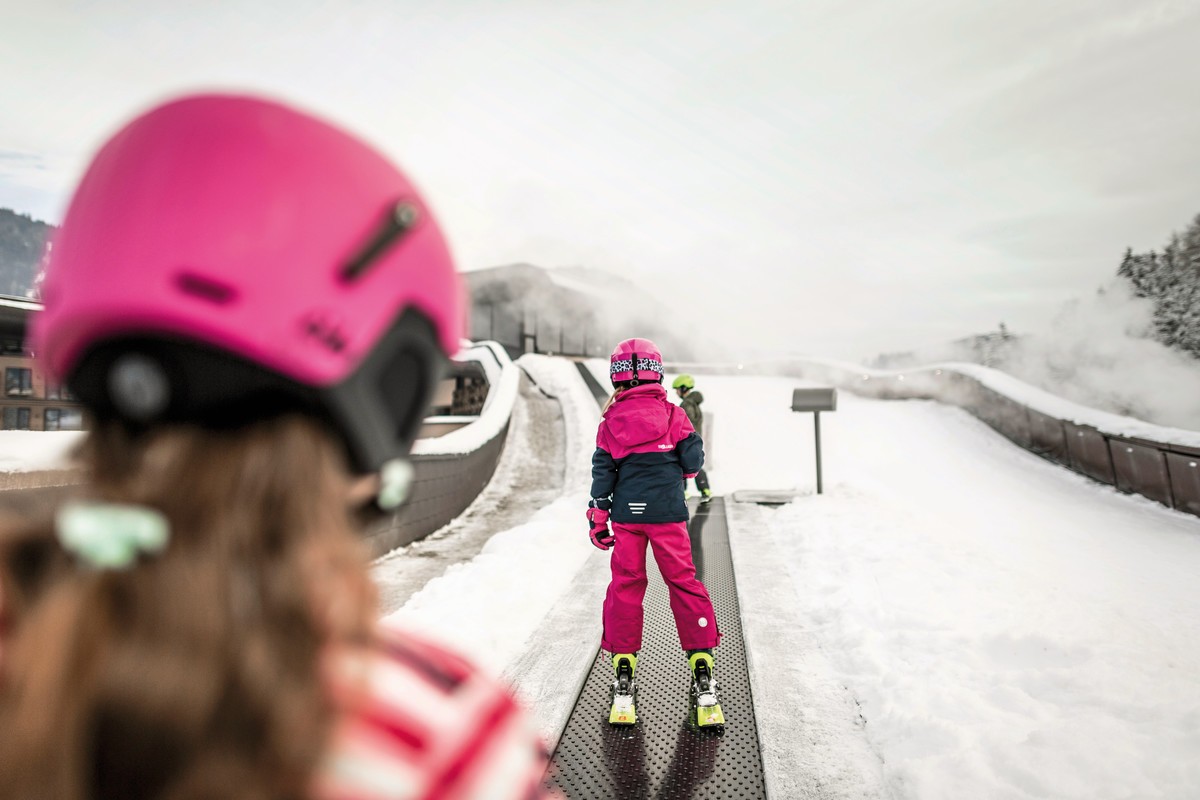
(953, 618)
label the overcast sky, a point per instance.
(837, 178)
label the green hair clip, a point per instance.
(395, 482)
(110, 535)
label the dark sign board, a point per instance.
(814, 399)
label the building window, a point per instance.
(18, 381)
(16, 419)
(64, 419)
(58, 391)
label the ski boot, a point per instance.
(704, 691)
(706, 496)
(624, 690)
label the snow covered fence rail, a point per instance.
(451, 470)
(1155, 461)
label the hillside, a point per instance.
(22, 240)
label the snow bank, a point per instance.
(1054, 406)
(27, 451)
(504, 380)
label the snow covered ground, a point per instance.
(1006, 628)
(26, 451)
(955, 617)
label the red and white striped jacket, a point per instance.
(416, 721)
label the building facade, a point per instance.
(29, 402)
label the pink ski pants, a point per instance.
(694, 618)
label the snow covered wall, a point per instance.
(450, 470)
(1152, 460)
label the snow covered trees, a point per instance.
(1171, 279)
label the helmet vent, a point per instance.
(400, 220)
(205, 288)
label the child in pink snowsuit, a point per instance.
(645, 449)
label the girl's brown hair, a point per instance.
(192, 673)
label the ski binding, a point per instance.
(623, 712)
(704, 697)
(624, 691)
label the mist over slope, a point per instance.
(571, 310)
(1098, 350)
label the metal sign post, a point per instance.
(816, 401)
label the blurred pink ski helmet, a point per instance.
(228, 258)
(634, 361)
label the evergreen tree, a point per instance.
(1186, 298)
(1171, 279)
(1139, 269)
(1129, 269)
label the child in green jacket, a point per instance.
(690, 400)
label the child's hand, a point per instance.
(598, 529)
